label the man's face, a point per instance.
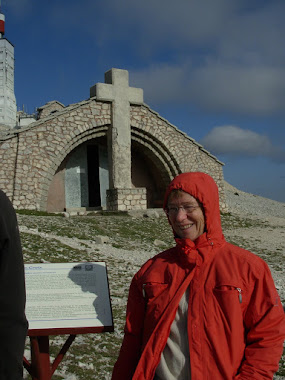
(185, 215)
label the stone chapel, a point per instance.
(109, 152)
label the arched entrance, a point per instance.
(82, 179)
(146, 173)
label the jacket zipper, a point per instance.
(143, 291)
(239, 295)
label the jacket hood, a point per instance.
(202, 187)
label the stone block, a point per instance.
(102, 239)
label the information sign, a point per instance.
(68, 297)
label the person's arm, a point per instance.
(13, 323)
(131, 347)
(265, 324)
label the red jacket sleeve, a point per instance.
(130, 351)
(265, 326)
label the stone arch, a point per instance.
(162, 156)
(75, 142)
(180, 149)
(145, 144)
(151, 158)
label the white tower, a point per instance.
(8, 108)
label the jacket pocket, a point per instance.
(152, 290)
(229, 290)
(156, 296)
(229, 303)
(226, 330)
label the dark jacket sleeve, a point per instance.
(265, 325)
(132, 343)
(13, 323)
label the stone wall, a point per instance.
(126, 199)
(42, 147)
(31, 156)
(49, 108)
(8, 159)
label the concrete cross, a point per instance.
(116, 90)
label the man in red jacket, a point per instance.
(205, 309)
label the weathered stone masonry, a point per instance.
(31, 156)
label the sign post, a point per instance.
(64, 298)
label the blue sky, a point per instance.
(213, 68)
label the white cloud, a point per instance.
(162, 83)
(149, 26)
(221, 28)
(165, 23)
(215, 87)
(242, 89)
(234, 141)
(255, 36)
(231, 62)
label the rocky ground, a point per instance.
(125, 242)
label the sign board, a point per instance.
(67, 298)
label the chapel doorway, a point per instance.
(93, 176)
(81, 180)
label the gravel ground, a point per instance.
(250, 204)
(125, 243)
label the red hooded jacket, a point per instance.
(235, 317)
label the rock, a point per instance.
(44, 261)
(159, 243)
(101, 239)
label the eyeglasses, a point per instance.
(188, 209)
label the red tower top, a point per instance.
(2, 24)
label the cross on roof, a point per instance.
(116, 88)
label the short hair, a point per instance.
(177, 193)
